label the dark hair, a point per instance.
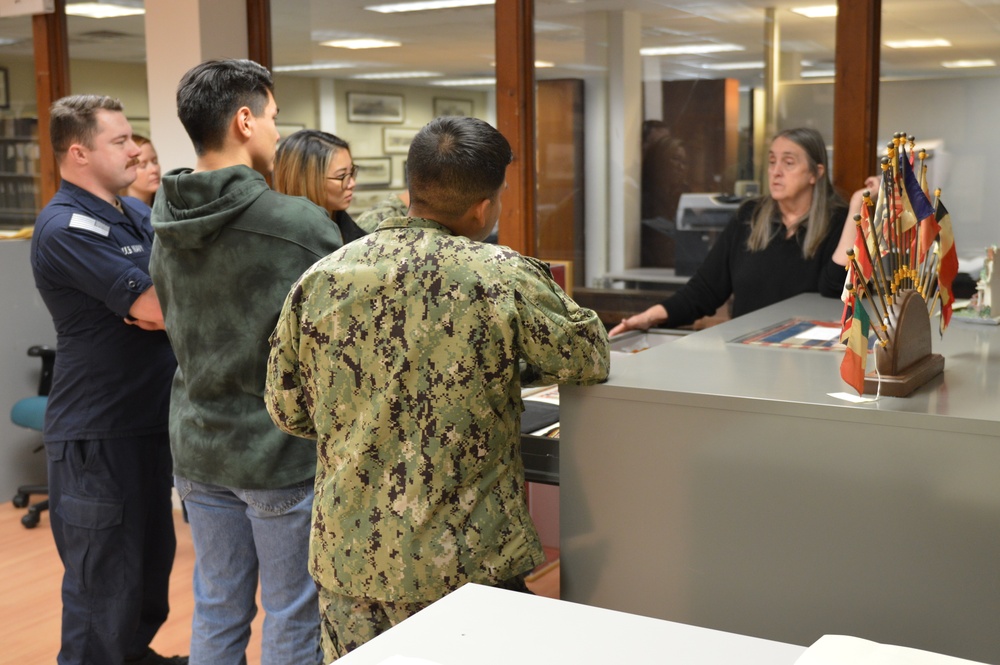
(211, 93)
(301, 163)
(74, 120)
(455, 162)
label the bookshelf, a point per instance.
(20, 176)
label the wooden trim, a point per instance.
(259, 45)
(51, 44)
(856, 93)
(515, 89)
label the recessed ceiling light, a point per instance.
(360, 43)
(722, 66)
(918, 43)
(425, 5)
(470, 82)
(397, 75)
(103, 10)
(959, 64)
(691, 49)
(539, 64)
(317, 66)
(818, 11)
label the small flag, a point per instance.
(862, 245)
(852, 368)
(919, 206)
(949, 264)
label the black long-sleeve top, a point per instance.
(757, 279)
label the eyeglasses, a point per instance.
(352, 175)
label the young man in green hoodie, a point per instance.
(227, 250)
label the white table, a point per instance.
(482, 626)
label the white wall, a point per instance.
(25, 323)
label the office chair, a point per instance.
(30, 413)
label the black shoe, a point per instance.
(153, 658)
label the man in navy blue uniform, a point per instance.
(105, 436)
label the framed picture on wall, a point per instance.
(462, 107)
(366, 107)
(396, 140)
(4, 89)
(374, 171)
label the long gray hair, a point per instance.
(824, 198)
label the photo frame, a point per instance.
(4, 88)
(459, 107)
(374, 171)
(396, 140)
(367, 107)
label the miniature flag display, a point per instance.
(904, 244)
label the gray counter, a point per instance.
(721, 485)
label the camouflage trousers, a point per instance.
(346, 622)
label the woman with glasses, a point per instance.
(790, 241)
(318, 166)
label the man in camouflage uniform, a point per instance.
(401, 354)
(394, 205)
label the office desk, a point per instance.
(719, 484)
(485, 626)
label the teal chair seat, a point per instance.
(30, 412)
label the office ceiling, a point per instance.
(459, 42)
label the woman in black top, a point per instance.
(788, 242)
(318, 166)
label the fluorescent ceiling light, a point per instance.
(960, 64)
(918, 43)
(722, 66)
(425, 5)
(818, 11)
(691, 49)
(817, 74)
(318, 66)
(360, 43)
(470, 82)
(397, 75)
(539, 64)
(102, 10)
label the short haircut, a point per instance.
(74, 120)
(302, 161)
(211, 93)
(456, 162)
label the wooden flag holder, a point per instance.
(905, 363)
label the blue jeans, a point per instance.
(240, 534)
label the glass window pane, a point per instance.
(949, 108)
(376, 97)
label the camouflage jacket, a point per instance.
(390, 206)
(400, 353)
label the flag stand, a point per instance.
(905, 362)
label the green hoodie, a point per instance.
(227, 250)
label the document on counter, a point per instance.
(845, 650)
(799, 334)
